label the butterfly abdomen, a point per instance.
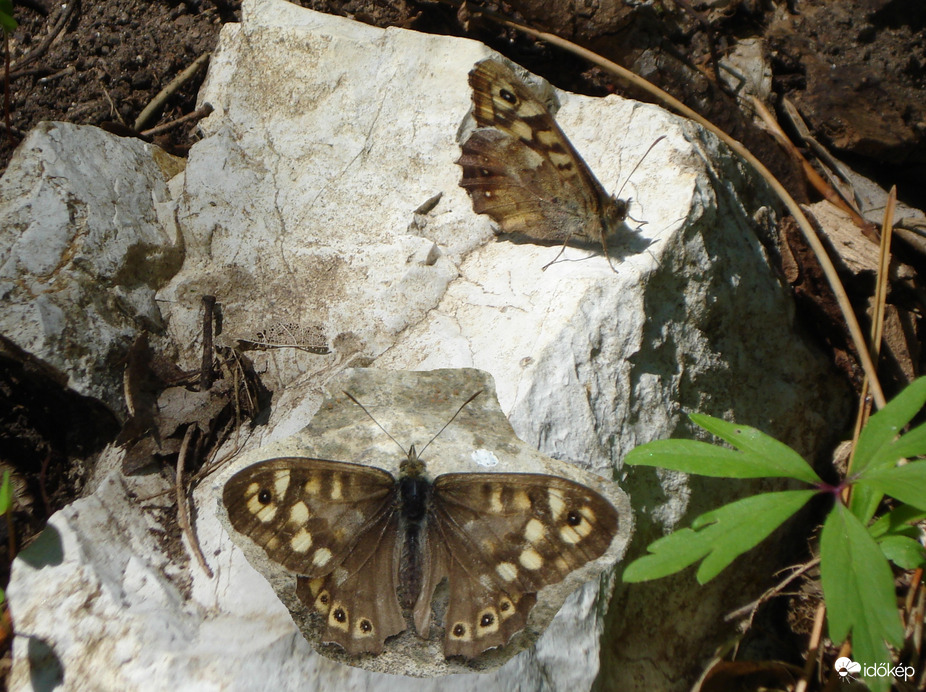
(414, 496)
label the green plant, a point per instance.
(7, 23)
(858, 585)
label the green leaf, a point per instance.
(873, 449)
(6, 493)
(858, 588)
(6, 16)
(896, 521)
(705, 459)
(779, 459)
(719, 536)
(907, 483)
(883, 427)
(904, 552)
(7, 23)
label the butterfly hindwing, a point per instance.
(507, 536)
(358, 599)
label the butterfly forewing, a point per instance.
(307, 514)
(507, 536)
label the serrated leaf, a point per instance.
(907, 483)
(777, 457)
(904, 552)
(883, 427)
(705, 459)
(858, 587)
(669, 554)
(719, 536)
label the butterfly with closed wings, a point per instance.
(522, 171)
(365, 543)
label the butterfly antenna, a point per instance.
(645, 154)
(462, 406)
(404, 451)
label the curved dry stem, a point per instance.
(669, 101)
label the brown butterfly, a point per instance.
(362, 541)
(521, 170)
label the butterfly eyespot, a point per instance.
(486, 620)
(366, 626)
(508, 96)
(264, 496)
(505, 605)
(339, 615)
(323, 599)
(573, 518)
(459, 629)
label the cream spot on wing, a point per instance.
(495, 500)
(264, 513)
(338, 617)
(521, 501)
(273, 543)
(487, 622)
(507, 571)
(561, 160)
(574, 534)
(522, 130)
(547, 137)
(253, 489)
(315, 585)
(301, 542)
(530, 559)
(312, 486)
(363, 628)
(299, 513)
(460, 632)
(322, 557)
(557, 503)
(336, 487)
(322, 602)
(534, 531)
(505, 608)
(281, 481)
(588, 513)
(561, 565)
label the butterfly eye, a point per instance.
(264, 496)
(574, 518)
(508, 96)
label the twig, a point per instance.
(813, 646)
(161, 129)
(183, 509)
(66, 13)
(832, 277)
(206, 374)
(158, 101)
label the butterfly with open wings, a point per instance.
(365, 543)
